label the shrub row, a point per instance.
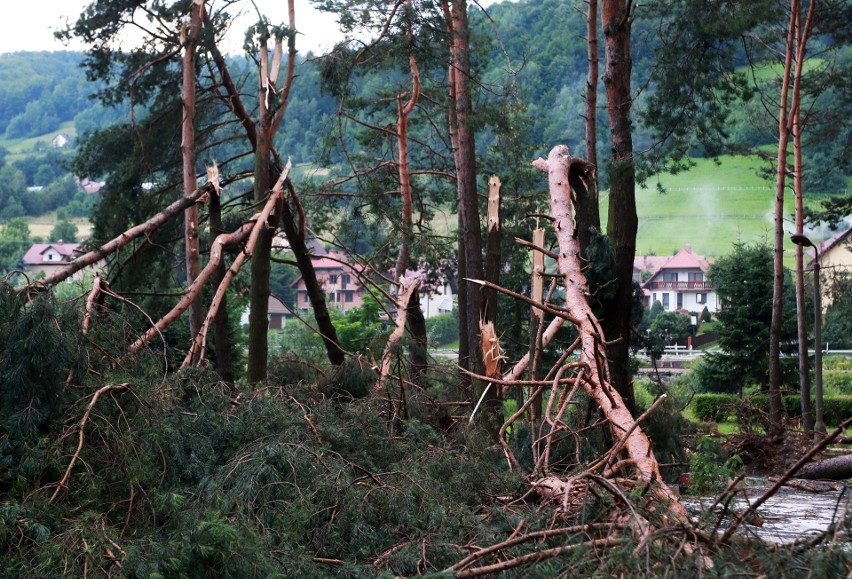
(720, 407)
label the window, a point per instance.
(653, 298)
(345, 280)
(666, 301)
(332, 278)
(696, 276)
(669, 276)
(701, 298)
(679, 300)
(349, 297)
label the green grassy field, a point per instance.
(711, 206)
(19, 148)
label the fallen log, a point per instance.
(835, 468)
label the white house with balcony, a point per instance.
(679, 283)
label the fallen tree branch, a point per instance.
(61, 484)
(517, 540)
(117, 243)
(537, 556)
(562, 168)
(194, 289)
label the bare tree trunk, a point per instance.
(221, 326)
(189, 36)
(801, 303)
(587, 203)
(797, 37)
(269, 121)
(419, 362)
(258, 345)
(493, 256)
(623, 221)
(470, 234)
(592, 85)
(413, 315)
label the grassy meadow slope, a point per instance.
(711, 206)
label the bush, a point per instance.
(837, 382)
(714, 407)
(442, 329)
(720, 407)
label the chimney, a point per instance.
(688, 247)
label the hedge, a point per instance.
(721, 407)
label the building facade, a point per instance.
(679, 282)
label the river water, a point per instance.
(790, 515)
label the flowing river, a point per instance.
(791, 514)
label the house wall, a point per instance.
(691, 299)
(838, 258)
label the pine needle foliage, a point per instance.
(177, 477)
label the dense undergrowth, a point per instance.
(179, 476)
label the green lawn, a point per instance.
(711, 206)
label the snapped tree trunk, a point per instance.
(564, 173)
(221, 326)
(269, 119)
(296, 237)
(622, 222)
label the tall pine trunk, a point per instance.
(189, 36)
(470, 234)
(587, 204)
(622, 221)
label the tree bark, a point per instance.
(221, 325)
(471, 234)
(269, 120)
(801, 303)
(622, 223)
(587, 202)
(189, 35)
(797, 37)
(493, 254)
(835, 468)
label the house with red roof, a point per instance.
(679, 282)
(49, 257)
(341, 282)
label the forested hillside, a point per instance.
(239, 373)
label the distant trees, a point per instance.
(14, 242)
(64, 231)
